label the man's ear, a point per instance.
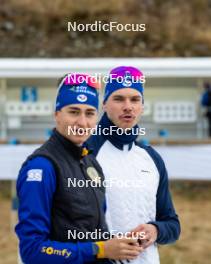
(56, 114)
(142, 110)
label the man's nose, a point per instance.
(127, 105)
(82, 121)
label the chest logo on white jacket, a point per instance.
(145, 171)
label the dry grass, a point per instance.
(8, 241)
(194, 209)
(70, 7)
(192, 201)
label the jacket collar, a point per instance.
(73, 149)
(119, 141)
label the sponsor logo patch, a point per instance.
(52, 251)
(82, 98)
(34, 175)
(127, 80)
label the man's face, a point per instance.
(78, 117)
(124, 107)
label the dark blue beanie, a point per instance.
(124, 77)
(77, 89)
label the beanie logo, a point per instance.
(82, 98)
(127, 79)
(72, 88)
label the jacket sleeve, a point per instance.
(36, 185)
(167, 221)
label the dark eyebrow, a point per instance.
(118, 96)
(136, 97)
(90, 110)
(79, 109)
(133, 96)
(73, 108)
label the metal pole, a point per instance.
(3, 122)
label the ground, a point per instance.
(192, 201)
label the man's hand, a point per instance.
(150, 236)
(122, 248)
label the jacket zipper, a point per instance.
(97, 202)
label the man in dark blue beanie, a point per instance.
(137, 192)
(60, 190)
